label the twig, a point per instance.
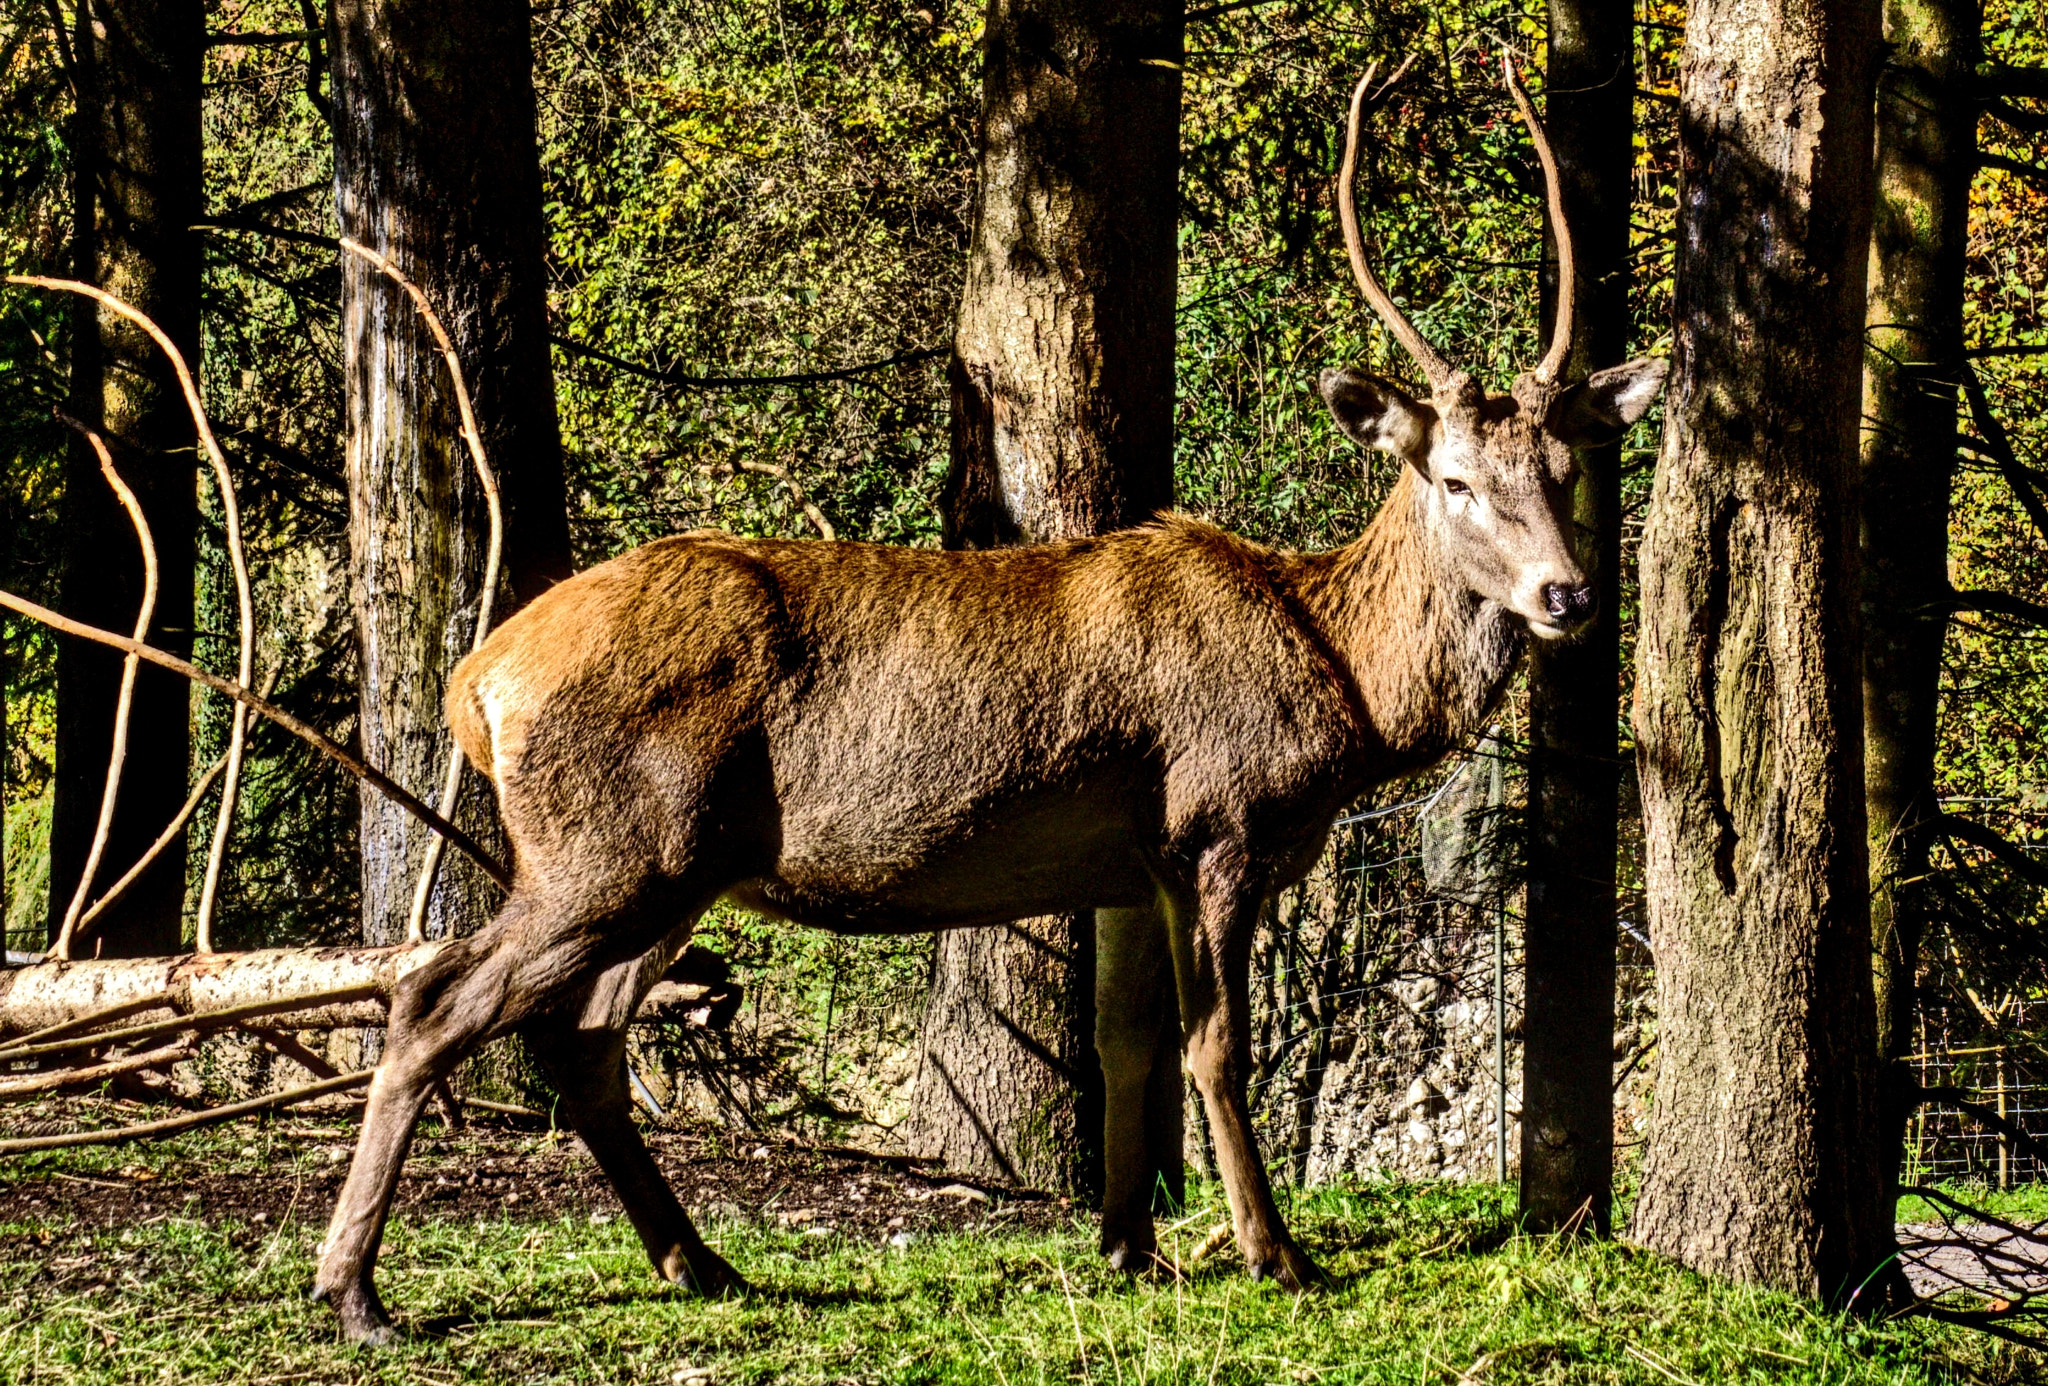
(404, 798)
(129, 667)
(245, 604)
(183, 1123)
(62, 1078)
(451, 786)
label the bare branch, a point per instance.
(1999, 444)
(670, 376)
(451, 786)
(245, 604)
(1998, 79)
(2028, 122)
(2007, 853)
(788, 478)
(172, 832)
(95, 1074)
(303, 730)
(124, 705)
(123, 1134)
(1999, 604)
(2033, 173)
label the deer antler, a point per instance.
(1439, 371)
(1554, 359)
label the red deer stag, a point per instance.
(1159, 725)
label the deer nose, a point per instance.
(1569, 604)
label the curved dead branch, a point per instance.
(67, 933)
(451, 785)
(355, 765)
(245, 605)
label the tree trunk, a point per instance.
(436, 167)
(1574, 754)
(1926, 157)
(138, 190)
(1762, 1161)
(1062, 426)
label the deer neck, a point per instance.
(1429, 658)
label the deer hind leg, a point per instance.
(1134, 1008)
(1212, 961)
(583, 1046)
(536, 949)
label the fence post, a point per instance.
(1500, 1040)
(2004, 1146)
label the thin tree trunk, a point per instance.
(1762, 1161)
(1062, 426)
(436, 167)
(137, 146)
(1574, 754)
(1926, 157)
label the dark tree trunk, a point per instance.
(1574, 754)
(1062, 426)
(1926, 157)
(436, 166)
(138, 170)
(1763, 1161)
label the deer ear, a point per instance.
(1599, 411)
(1372, 412)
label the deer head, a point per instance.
(1496, 471)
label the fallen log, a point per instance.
(281, 988)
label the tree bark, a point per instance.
(1762, 1161)
(1574, 754)
(1926, 157)
(1062, 411)
(137, 146)
(436, 167)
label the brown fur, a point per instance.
(1159, 724)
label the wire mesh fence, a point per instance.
(1948, 1143)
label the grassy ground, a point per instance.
(1430, 1288)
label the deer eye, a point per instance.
(1456, 487)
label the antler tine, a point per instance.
(1567, 273)
(1438, 370)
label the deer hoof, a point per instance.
(1132, 1259)
(363, 1320)
(1289, 1266)
(712, 1276)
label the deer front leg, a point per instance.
(1212, 960)
(1133, 1004)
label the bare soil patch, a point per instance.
(291, 1169)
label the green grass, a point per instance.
(1430, 1286)
(2025, 1204)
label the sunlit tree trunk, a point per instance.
(436, 166)
(1574, 753)
(137, 147)
(1062, 426)
(1763, 1161)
